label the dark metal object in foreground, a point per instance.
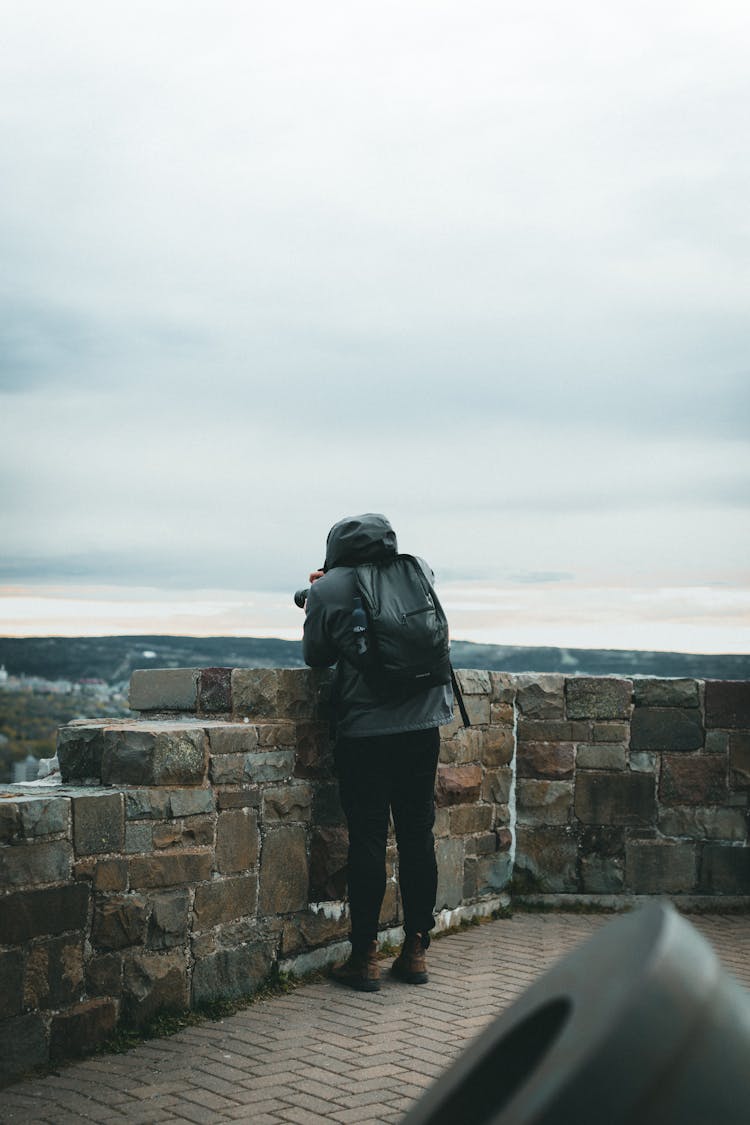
(638, 1025)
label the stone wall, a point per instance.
(192, 850)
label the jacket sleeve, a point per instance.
(318, 649)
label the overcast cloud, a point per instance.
(483, 267)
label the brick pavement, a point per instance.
(323, 1052)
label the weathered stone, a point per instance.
(496, 785)
(10, 821)
(503, 688)
(104, 975)
(170, 869)
(598, 697)
(273, 765)
(450, 752)
(389, 907)
(450, 865)
(230, 973)
(31, 914)
(24, 864)
(478, 709)
(328, 858)
(493, 873)
(54, 973)
(541, 697)
(326, 805)
(137, 756)
(704, 824)
(728, 704)
(119, 922)
(610, 732)
(739, 759)
(164, 689)
(498, 744)
(615, 798)
(233, 738)
(504, 837)
(79, 752)
(717, 742)
(442, 825)
(543, 802)
(658, 867)
(215, 690)
(725, 870)
(603, 840)
(138, 838)
(469, 890)
(458, 784)
(552, 730)
(693, 780)
(601, 756)
(666, 693)
(288, 802)
(546, 759)
(602, 875)
(468, 745)
(284, 871)
(314, 756)
(466, 819)
(191, 802)
(283, 736)
(223, 900)
(167, 926)
(11, 983)
(308, 931)
(273, 693)
(98, 823)
(162, 836)
(236, 841)
(81, 1029)
(197, 831)
(147, 804)
(111, 875)
(153, 983)
(448, 730)
(43, 816)
(545, 860)
(643, 761)
(502, 713)
(487, 844)
(665, 728)
(249, 797)
(473, 681)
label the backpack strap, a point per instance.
(459, 698)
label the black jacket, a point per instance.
(328, 635)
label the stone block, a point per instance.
(704, 823)
(496, 785)
(215, 690)
(739, 760)
(138, 838)
(546, 860)
(666, 693)
(24, 864)
(486, 844)
(442, 825)
(541, 697)
(473, 681)
(615, 798)
(644, 761)
(468, 819)
(498, 744)
(43, 816)
(233, 738)
(54, 972)
(236, 841)
(79, 752)
(717, 741)
(602, 875)
(601, 756)
(171, 755)
(311, 930)
(502, 687)
(23, 1046)
(111, 875)
(284, 871)
(389, 907)
(270, 765)
(546, 759)
(598, 697)
(314, 757)
(11, 983)
(164, 689)
(693, 779)
(603, 840)
(274, 693)
(665, 728)
(458, 785)
(725, 870)
(104, 975)
(224, 900)
(191, 802)
(197, 831)
(450, 865)
(467, 745)
(147, 871)
(154, 983)
(543, 802)
(81, 1029)
(31, 914)
(610, 732)
(448, 730)
(283, 736)
(249, 797)
(147, 804)
(168, 924)
(728, 704)
(231, 973)
(119, 922)
(502, 713)
(288, 802)
(504, 838)
(326, 805)
(553, 730)
(659, 867)
(493, 873)
(328, 858)
(478, 709)
(10, 821)
(162, 836)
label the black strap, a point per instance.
(459, 698)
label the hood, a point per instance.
(360, 539)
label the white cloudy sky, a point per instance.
(484, 267)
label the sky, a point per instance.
(484, 268)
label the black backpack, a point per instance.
(403, 635)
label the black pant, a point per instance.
(378, 774)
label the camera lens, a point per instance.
(300, 597)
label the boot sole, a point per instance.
(409, 978)
(359, 985)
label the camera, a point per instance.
(300, 597)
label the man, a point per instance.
(386, 757)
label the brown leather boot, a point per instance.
(361, 970)
(410, 965)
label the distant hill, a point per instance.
(114, 658)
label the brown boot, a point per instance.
(361, 971)
(410, 965)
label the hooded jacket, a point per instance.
(328, 636)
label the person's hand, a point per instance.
(316, 574)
